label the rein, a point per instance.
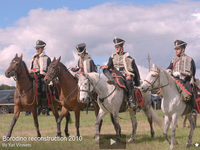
(158, 77)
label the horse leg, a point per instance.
(68, 118)
(35, 117)
(184, 121)
(166, 127)
(195, 119)
(150, 120)
(117, 126)
(113, 122)
(54, 109)
(96, 109)
(134, 125)
(15, 117)
(192, 127)
(97, 124)
(174, 124)
(77, 124)
(64, 111)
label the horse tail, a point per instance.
(155, 117)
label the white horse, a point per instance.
(172, 103)
(111, 99)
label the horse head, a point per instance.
(13, 69)
(53, 70)
(152, 80)
(85, 87)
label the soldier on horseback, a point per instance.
(85, 62)
(183, 69)
(124, 65)
(39, 65)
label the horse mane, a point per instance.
(65, 68)
(26, 70)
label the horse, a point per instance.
(69, 92)
(24, 97)
(110, 100)
(172, 104)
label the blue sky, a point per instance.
(12, 10)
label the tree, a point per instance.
(6, 87)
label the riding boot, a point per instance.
(107, 73)
(131, 99)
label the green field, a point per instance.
(25, 128)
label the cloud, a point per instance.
(146, 29)
(7, 81)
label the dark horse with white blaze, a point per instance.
(25, 97)
(69, 92)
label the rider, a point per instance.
(39, 65)
(124, 63)
(183, 69)
(85, 62)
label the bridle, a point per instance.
(154, 81)
(54, 74)
(90, 92)
(14, 70)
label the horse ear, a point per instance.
(21, 57)
(59, 58)
(154, 67)
(54, 58)
(16, 55)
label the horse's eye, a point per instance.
(154, 75)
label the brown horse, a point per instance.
(25, 97)
(69, 92)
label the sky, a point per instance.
(148, 27)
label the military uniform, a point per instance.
(39, 66)
(85, 62)
(125, 64)
(183, 68)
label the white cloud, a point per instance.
(146, 30)
(7, 81)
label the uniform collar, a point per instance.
(39, 55)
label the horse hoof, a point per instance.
(131, 140)
(67, 134)
(97, 140)
(188, 144)
(175, 142)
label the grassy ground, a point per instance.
(25, 128)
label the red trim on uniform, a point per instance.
(36, 83)
(159, 91)
(175, 63)
(198, 104)
(139, 97)
(182, 87)
(116, 79)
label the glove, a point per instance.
(169, 71)
(73, 69)
(176, 74)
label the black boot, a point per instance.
(111, 80)
(131, 99)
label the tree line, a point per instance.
(6, 87)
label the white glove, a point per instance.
(169, 71)
(176, 74)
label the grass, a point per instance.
(25, 128)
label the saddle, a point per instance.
(183, 91)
